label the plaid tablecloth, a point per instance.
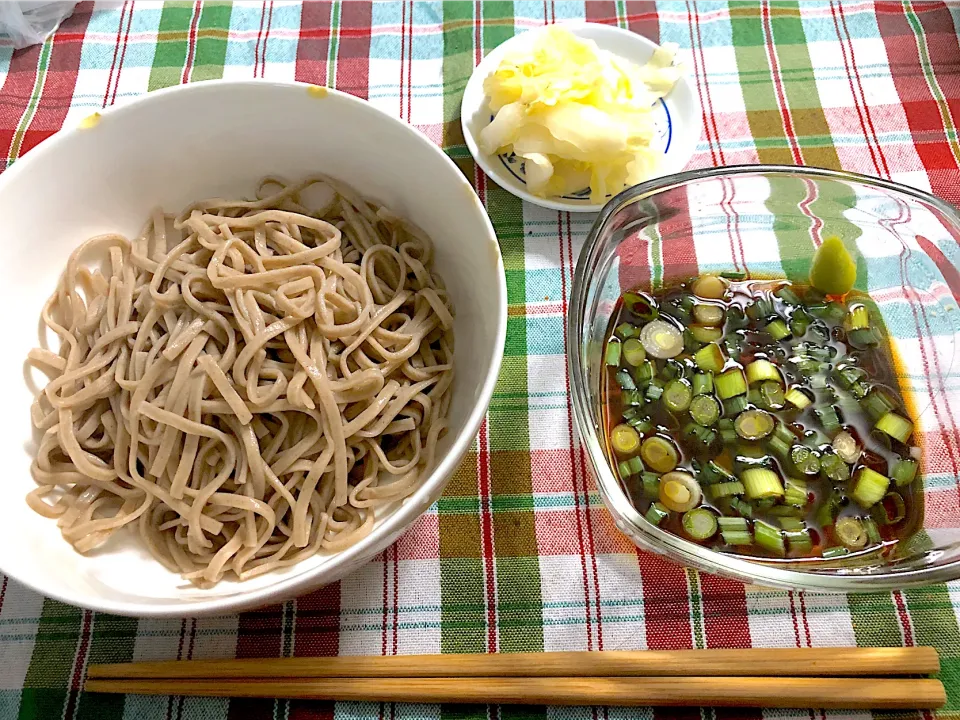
(520, 553)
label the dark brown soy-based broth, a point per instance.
(877, 362)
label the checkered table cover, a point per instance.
(519, 554)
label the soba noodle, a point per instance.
(246, 384)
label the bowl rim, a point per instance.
(494, 170)
(399, 520)
(672, 546)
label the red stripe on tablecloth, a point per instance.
(919, 105)
(266, 39)
(116, 53)
(192, 43)
(353, 51)
(946, 268)
(487, 548)
(779, 89)
(409, 85)
(313, 47)
(856, 90)
(79, 665)
(317, 635)
(123, 55)
(256, 45)
(259, 635)
(710, 130)
(58, 87)
(403, 54)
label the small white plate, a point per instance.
(676, 117)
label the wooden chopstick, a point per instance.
(793, 692)
(758, 662)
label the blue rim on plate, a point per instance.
(510, 159)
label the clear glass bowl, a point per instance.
(764, 220)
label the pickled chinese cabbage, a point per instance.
(579, 116)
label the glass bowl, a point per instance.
(767, 221)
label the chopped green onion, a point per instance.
(679, 491)
(796, 493)
(873, 532)
(706, 314)
(735, 531)
(799, 323)
(644, 372)
(631, 467)
(772, 395)
(891, 510)
(779, 448)
(778, 330)
(799, 541)
(714, 473)
(741, 506)
(656, 513)
(829, 418)
(651, 485)
(846, 447)
(709, 358)
(798, 398)
(671, 369)
(704, 334)
(787, 295)
(761, 483)
(784, 433)
(732, 275)
(859, 390)
(710, 287)
(726, 489)
(631, 398)
(626, 330)
(625, 381)
(760, 370)
(705, 410)
(735, 405)
(848, 375)
(805, 460)
(835, 552)
(643, 307)
(754, 424)
(677, 395)
(858, 317)
(612, 357)
(851, 533)
(863, 338)
(897, 427)
(625, 440)
(730, 383)
(700, 523)
(659, 454)
(786, 510)
(661, 339)
(641, 424)
(904, 472)
(834, 468)
(633, 351)
(727, 432)
(791, 523)
(833, 311)
(760, 308)
(869, 487)
(769, 537)
(654, 391)
(877, 403)
(702, 383)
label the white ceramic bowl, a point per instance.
(676, 117)
(170, 148)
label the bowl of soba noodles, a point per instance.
(252, 330)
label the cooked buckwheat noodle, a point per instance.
(247, 384)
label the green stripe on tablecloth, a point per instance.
(764, 113)
(935, 623)
(211, 47)
(172, 39)
(333, 45)
(54, 653)
(112, 642)
(42, 63)
(462, 612)
(874, 619)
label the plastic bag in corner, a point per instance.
(29, 23)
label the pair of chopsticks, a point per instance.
(833, 678)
